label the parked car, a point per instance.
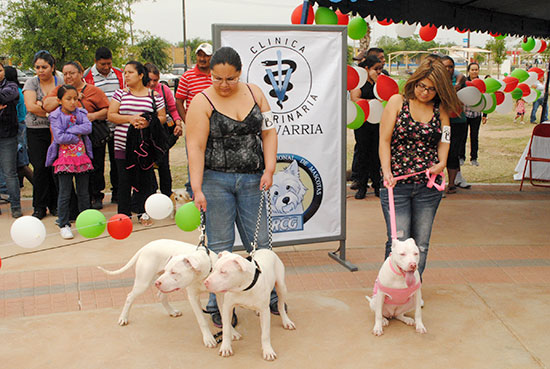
(23, 76)
(168, 79)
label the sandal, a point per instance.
(145, 220)
(451, 189)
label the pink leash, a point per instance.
(431, 183)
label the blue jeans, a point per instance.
(233, 198)
(64, 198)
(536, 105)
(415, 208)
(8, 165)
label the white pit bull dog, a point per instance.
(249, 284)
(397, 288)
(193, 266)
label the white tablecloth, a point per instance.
(540, 148)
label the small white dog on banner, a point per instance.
(397, 288)
(288, 191)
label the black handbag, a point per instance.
(170, 125)
(101, 132)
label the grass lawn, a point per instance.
(501, 143)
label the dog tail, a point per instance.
(368, 298)
(128, 265)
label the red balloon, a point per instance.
(0, 262)
(296, 16)
(540, 72)
(386, 87)
(525, 89)
(343, 19)
(480, 85)
(428, 32)
(364, 104)
(500, 97)
(511, 83)
(495, 34)
(119, 226)
(470, 83)
(543, 46)
(385, 21)
(461, 30)
(353, 78)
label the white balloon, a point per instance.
(159, 206)
(28, 232)
(538, 45)
(488, 101)
(351, 111)
(375, 111)
(469, 95)
(479, 107)
(533, 77)
(405, 30)
(375, 92)
(363, 76)
(531, 97)
(502, 85)
(506, 105)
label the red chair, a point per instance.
(540, 130)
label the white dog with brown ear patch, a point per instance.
(248, 283)
(397, 288)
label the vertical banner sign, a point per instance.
(300, 73)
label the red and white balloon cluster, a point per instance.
(490, 95)
(368, 110)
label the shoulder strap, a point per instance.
(209, 100)
(163, 93)
(153, 100)
(249, 89)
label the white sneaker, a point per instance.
(461, 162)
(66, 233)
(474, 163)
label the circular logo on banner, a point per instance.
(296, 193)
(285, 76)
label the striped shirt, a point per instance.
(191, 83)
(131, 105)
(107, 84)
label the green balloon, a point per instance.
(357, 27)
(90, 223)
(520, 74)
(188, 217)
(493, 107)
(491, 85)
(401, 84)
(325, 16)
(359, 119)
(517, 93)
(529, 45)
(501, 37)
(538, 94)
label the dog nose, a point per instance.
(206, 283)
(158, 283)
(412, 266)
(286, 200)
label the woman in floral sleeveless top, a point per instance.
(415, 136)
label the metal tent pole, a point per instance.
(545, 100)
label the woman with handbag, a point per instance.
(173, 126)
(96, 103)
(128, 109)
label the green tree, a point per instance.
(154, 49)
(498, 52)
(192, 45)
(68, 29)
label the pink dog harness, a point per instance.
(396, 296)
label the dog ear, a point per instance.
(293, 168)
(191, 262)
(241, 263)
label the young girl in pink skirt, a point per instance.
(520, 110)
(70, 154)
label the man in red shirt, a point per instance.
(191, 83)
(194, 80)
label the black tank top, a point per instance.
(235, 146)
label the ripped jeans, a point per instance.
(415, 208)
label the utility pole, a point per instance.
(184, 37)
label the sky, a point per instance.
(163, 18)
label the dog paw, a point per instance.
(269, 354)
(175, 313)
(235, 336)
(407, 320)
(420, 328)
(225, 350)
(289, 324)
(377, 331)
(209, 341)
(122, 321)
(385, 322)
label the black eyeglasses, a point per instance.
(422, 86)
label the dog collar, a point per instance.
(256, 273)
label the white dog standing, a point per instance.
(397, 288)
(249, 284)
(193, 266)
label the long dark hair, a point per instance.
(226, 55)
(11, 74)
(47, 57)
(140, 70)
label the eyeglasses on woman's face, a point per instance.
(422, 87)
(229, 81)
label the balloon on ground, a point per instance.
(159, 206)
(120, 226)
(90, 223)
(28, 232)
